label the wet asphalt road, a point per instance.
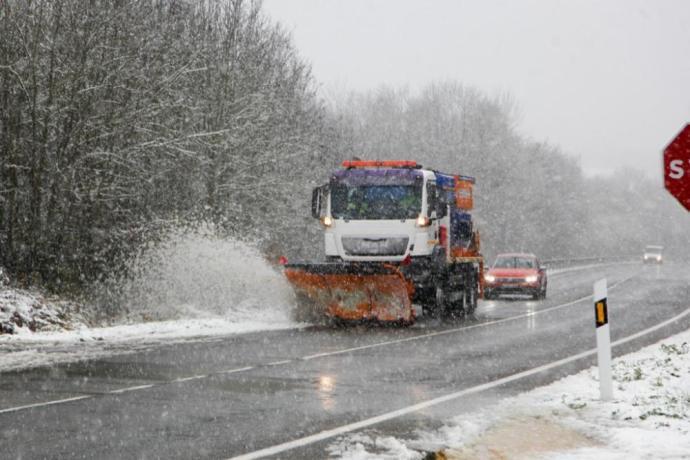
(236, 395)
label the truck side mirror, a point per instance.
(318, 203)
(316, 198)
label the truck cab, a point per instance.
(379, 211)
(394, 233)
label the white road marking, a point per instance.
(57, 401)
(556, 272)
(234, 371)
(125, 390)
(193, 377)
(277, 449)
(318, 355)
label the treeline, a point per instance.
(122, 119)
(119, 118)
(529, 197)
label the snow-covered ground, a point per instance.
(23, 311)
(194, 287)
(31, 349)
(41, 331)
(649, 418)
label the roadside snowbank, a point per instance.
(27, 350)
(193, 286)
(40, 331)
(24, 312)
(648, 418)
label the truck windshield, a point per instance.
(376, 202)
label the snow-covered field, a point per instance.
(649, 418)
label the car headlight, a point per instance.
(532, 279)
(490, 278)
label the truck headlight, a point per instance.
(490, 278)
(531, 279)
(327, 221)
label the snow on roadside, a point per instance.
(648, 418)
(195, 286)
(40, 331)
(23, 312)
(29, 350)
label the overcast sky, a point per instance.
(607, 81)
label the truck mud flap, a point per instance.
(354, 292)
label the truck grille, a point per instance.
(359, 246)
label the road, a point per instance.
(299, 389)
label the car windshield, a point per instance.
(654, 250)
(514, 262)
(376, 202)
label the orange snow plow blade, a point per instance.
(354, 292)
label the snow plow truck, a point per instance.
(395, 234)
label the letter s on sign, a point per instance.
(677, 171)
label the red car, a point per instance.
(515, 274)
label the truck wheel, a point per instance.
(449, 304)
(440, 301)
(455, 304)
(470, 300)
(427, 303)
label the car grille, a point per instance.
(510, 280)
(359, 246)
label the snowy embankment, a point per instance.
(27, 349)
(25, 312)
(194, 287)
(649, 418)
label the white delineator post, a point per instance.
(601, 317)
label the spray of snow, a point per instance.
(199, 275)
(193, 286)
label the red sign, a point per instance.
(677, 167)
